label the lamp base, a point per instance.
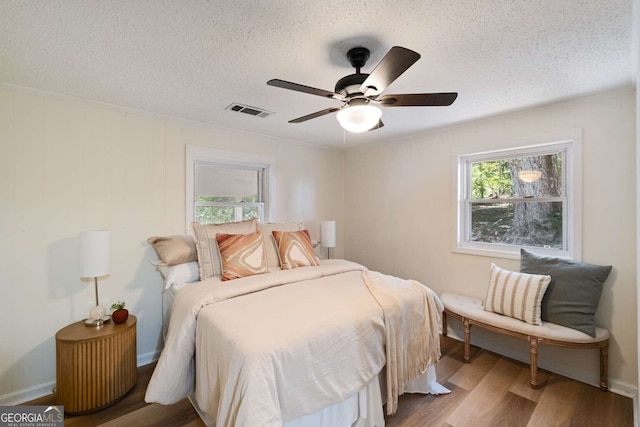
(97, 322)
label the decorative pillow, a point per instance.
(516, 295)
(242, 255)
(295, 249)
(172, 250)
(574, 292)
(179, 273)
(209, 263)
(270, 247)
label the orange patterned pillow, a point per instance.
(242, 255)
(294, 249)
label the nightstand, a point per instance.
(95, 366)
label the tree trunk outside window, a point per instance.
(533, 220)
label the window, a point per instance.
(524, 197)
(227, 193)
(224, 186)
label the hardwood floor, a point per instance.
(490, 391)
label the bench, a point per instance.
(471, 312)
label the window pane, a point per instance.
(228, 183)
(529, 176)
(220, 214)
(491, 179)
(214, 214)
(537, 224)
(250, 213)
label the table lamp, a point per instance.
(94, 260)
(328, 235)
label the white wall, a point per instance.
(407, 189)
(68, 166)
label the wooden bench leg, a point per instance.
(467, 339)
(604, 367)
(444, 324)
(533, 362)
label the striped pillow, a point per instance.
(209, 263)
(517, 295)
(242, 255)
(295, 249)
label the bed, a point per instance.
(315, 345)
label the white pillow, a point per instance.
(179, 273)
(516, 295)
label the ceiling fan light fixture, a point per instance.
(529, 176)
(359, 118)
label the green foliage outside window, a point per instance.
(221, 214)
(490, 179)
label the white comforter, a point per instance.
(272, 347)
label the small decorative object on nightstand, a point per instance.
(120, 314)
(95, 367)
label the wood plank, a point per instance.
(522, 386)
(622, 411)
(446, 367)
(427, 409)
(597, 407)
(470, 374)
(556, 405)
(155, 414)
(512, 410)
(488, 396)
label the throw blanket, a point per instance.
(412, 343)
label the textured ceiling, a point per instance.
(190, 59)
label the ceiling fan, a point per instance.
(360, 92)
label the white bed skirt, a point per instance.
(363, 409)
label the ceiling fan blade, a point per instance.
(378, 126)
(305, 89)
(419, 99)
(314, 115)
(395, 62)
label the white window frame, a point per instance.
(198, 154)
(568, 142)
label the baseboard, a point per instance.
(146, 358)
(47, 388)
(618, 387)
(27, 394)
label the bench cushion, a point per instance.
(472, 308)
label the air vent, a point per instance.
(246, 109)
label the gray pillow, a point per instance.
(573, 295)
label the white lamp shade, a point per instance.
(359, 118)
(94, 253)
(328, 234)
